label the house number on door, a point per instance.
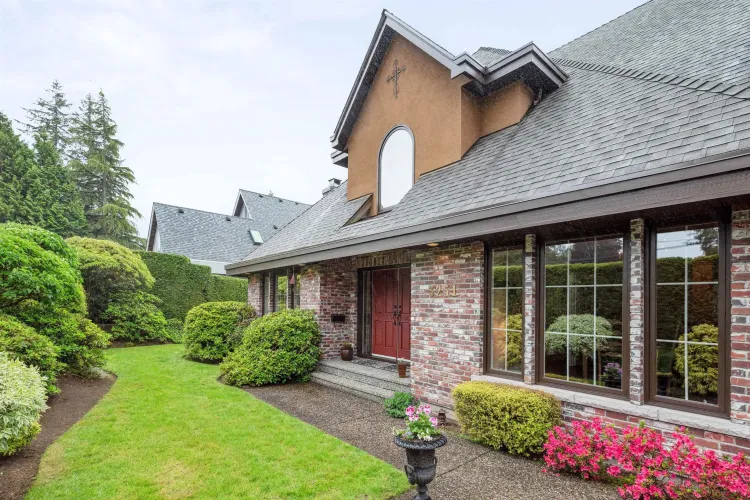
(442, 291)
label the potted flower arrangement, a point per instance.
(402, 366)
(420, 439)
(347, 351)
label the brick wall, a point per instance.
(637, 312)
(740, 314)
(447, 328)
(329, 289)
(255, 292)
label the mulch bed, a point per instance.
(77, 396)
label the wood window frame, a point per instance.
(624, 392)
(489, 282)
(722, 409)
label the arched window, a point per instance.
(396, 169)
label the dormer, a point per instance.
(415, 107)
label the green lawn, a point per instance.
(168, 429)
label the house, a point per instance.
(216, 240)
(575, 221)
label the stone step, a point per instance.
(384, 379)
(350, 386)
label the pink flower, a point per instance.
(413, 418)
(426, 409)
(409, 411)
(433, 421)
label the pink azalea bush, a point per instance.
(419, 424)
(646, 465)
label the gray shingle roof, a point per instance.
(603, 125)
(203, 235)
(489, 55)
(271, 213)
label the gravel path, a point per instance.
(465, 469)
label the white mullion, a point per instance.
(567, 316)
(506, 308)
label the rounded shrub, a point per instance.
(22, 401)
(514, 419)
(135, 317)
(174, 330)
(276, 348)
(213, 329)
(23, 343)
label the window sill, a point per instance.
(646, 411)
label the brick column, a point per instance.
(529, 309)
(637, 312)
(447, 320)
(331, 289)
(740, 330)
(255, 292)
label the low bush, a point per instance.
(23, 343)
(135, 317)
(645, 464)
(214, 329)
(276, 348)
(22, 401)
(80, 342)
(396, 406)
(514, 419)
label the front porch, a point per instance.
(365, 377)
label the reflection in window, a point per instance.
(396, 167)
(687, 314)
(281, 291)
(506, 334)
(583, 311)
(267, 294)
(297, 291)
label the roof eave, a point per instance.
(432, 231)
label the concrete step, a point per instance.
(385, 379)
(351, 386)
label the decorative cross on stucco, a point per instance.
(396, 72)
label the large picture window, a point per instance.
(506, 320)
(686, 321)
(396, 167)
(584, 296)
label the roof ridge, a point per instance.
(598, 27)
(739, 91)
(199, 210)
(274, 196)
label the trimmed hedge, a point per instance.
(23, 343)
(514, 419)
(276, 348)
(22, 401)
(212, 329)
(182, 285)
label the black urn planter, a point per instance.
(421, 462)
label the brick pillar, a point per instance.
(637, 312)
(740, 329)
(447, 320)
(529, 310)
(331, 289)
(255, 292)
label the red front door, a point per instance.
(391, 312)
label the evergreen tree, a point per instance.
(35, 187)
(51, 117)
(103, 180)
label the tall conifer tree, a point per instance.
(51, 117)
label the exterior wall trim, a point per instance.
(657, 413)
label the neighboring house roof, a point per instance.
(202, 235)
(489, 55)
(270, 213)
(605, 126)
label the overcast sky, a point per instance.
(215, 96)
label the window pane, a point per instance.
(267, 294)
(396, 167)
(687, 314)
(507, 310)
(281, 290)
(583, 311)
